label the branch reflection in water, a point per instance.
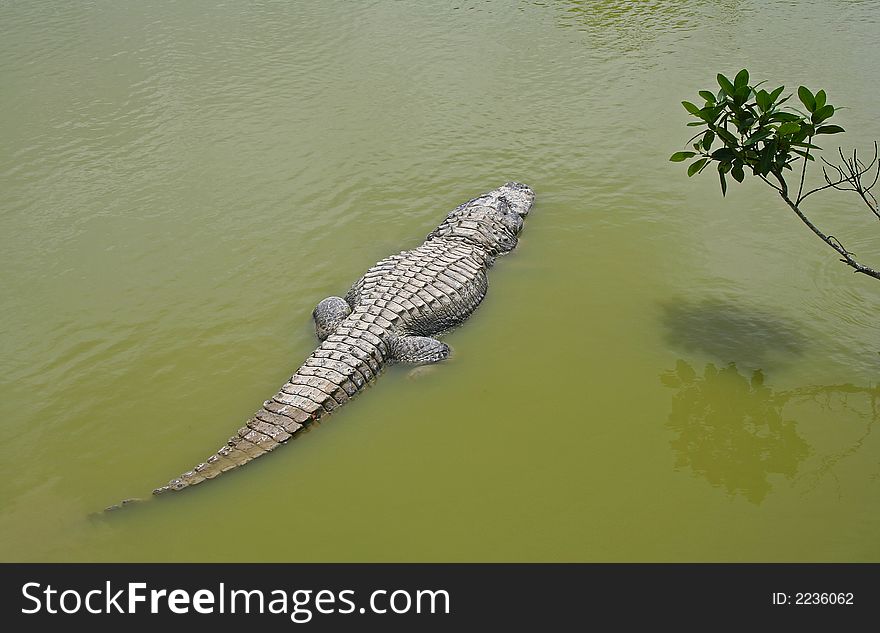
(733, 430)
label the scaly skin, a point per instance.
(391, 314)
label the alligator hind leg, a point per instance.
(418, 349)
(329, 314)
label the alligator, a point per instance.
(392, 314)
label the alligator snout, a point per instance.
(519, 196)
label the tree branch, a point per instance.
(770, 183)
(804, 172)
(846, 257)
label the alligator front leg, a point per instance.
(418, 349)
(328, 314)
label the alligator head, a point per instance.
(491, 221)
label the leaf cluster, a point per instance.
(753, 130)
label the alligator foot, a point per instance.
(328, 314)
(421, 371)
(418, 349)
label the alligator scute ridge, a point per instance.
(391, 314)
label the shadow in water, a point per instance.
(733, 430)
(730, 333)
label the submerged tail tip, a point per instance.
(122, 504)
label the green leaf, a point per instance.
(725, 84)
(727, 137)
(766, 158)
(708, 96)
(830, 129)
(788, 128)
(708, 138)
(785, 116)
(807, 98)
(737, 173)
(806, 130)
(820, 99)
(690, 107)
(709, 113)
(825, 112)
(741, 79)
(741, 94)
(696, 123)
(723, 183)
(723, 154)
(775, 94)
(804, 154)
(696, 166)
(762, 97)
(678, 157)
(760, 135)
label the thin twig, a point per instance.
(770, 183)
(852, 176)
(846, 256)
(804, 170)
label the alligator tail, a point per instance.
(335, 372)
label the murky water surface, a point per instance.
(657, 373)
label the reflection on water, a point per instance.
(730, 333)
(631, 25)
(858, 403)
(733, 430)
(626, 15)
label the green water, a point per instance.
(180, 183)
